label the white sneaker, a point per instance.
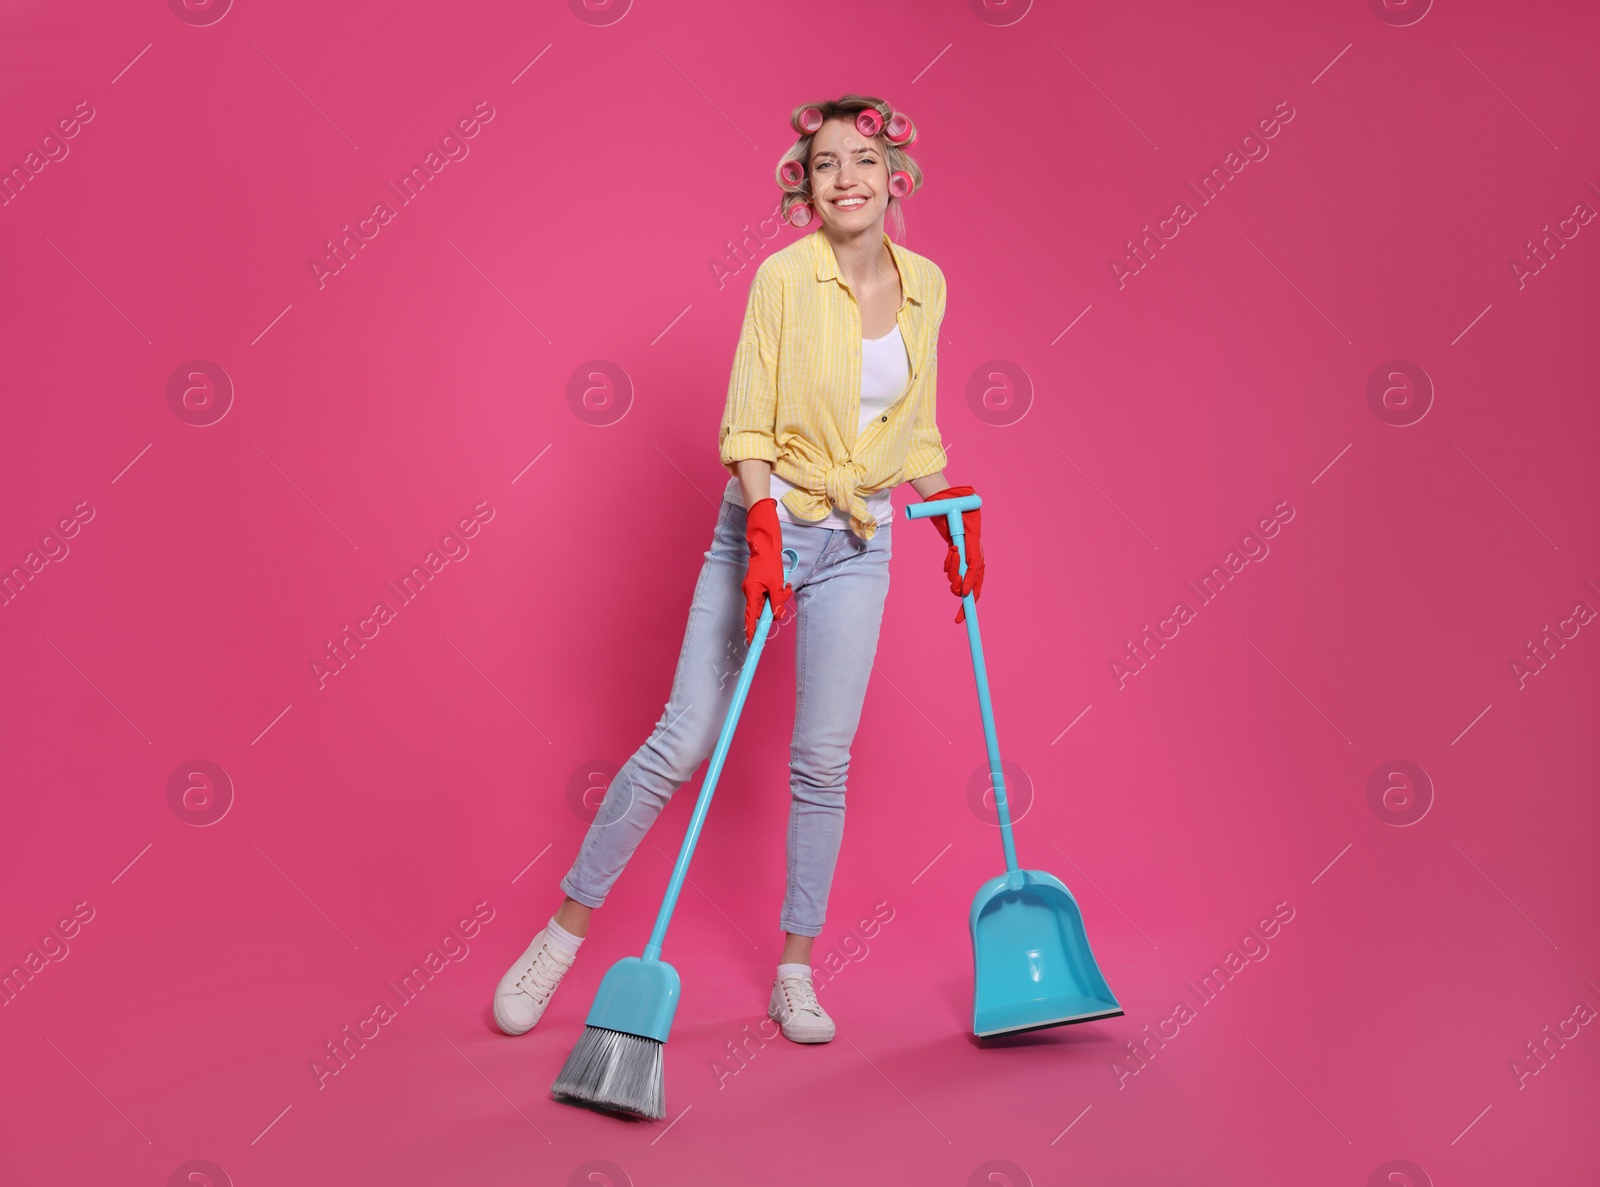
(794, 1007)
(524, 992)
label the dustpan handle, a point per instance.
(951, 509)
(708, 785)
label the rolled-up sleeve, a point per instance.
(925, 454)
(750, 417)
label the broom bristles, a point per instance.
(615, 1070)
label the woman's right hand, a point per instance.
(764, 578)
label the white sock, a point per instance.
(562, 938)
(794, 970)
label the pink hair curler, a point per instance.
(808, 120)
(793, 173)
(900, 130)
(900, 183)
(800, 214)
(869, 121)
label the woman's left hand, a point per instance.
(971, 523)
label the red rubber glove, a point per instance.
(764, 577)
(970, 522)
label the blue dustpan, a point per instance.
(1032, 964)
(1031, 957)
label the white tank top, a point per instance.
(884, 370)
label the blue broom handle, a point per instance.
(951, 509)
(680, 868)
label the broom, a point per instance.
(617, 1063)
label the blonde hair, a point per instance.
(894, 156)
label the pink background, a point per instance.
(589, 221)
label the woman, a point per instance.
(830, 406)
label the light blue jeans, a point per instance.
(840, 584)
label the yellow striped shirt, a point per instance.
(794, 398)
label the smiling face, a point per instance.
(849, 177)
